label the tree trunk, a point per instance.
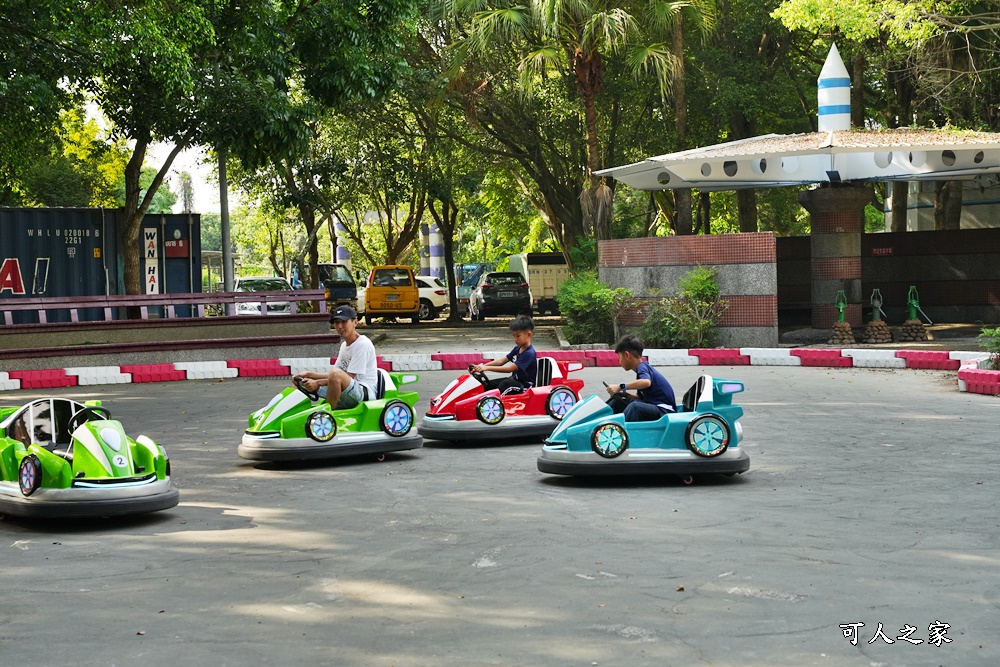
(682, 198)
(746, 206)
(858, 88)
(135, 210)
(900, 197)
(952, 218)
(595, 203)
(683, 225)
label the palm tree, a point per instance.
(575, 38)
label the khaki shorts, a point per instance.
(353, 395)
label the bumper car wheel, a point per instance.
(29, 475)
(321, 426)
(708, 436)
(609, 440)
(396, 419)
(559, 401)
(490, 410)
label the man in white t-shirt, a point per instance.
(353, 378)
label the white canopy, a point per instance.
(775, 160)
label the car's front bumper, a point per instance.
(256, 448)
(510, 428)
(559, 461)
(107, 500)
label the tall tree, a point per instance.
(570, 46)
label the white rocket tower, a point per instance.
(834, 94)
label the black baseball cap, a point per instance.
(344, 313)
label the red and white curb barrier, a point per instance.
(970, 377)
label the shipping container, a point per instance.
(73, 252)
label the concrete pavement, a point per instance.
(871, 499)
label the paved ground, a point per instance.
(871, 499)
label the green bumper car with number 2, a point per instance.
(702, 437)
(61, 458)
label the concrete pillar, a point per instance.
(425, 250)
(436, 251)
(838, 219)
(343, 254)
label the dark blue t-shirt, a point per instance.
(660, 392)
(527, 364)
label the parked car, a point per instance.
(392, 291)
(500, 293)
(340, 288)
(263, 284)
(433, 297)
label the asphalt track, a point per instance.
(872, 498)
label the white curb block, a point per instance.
(205, 370)
(771, 356)
(412, 362)
(490, 355)
(86, 375)
(874, 358)
(6, 384)
(963, 355)
(657, 357)
(298, 365)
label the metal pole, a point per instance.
(227, 250)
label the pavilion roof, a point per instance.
(842, 155)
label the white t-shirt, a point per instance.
(359, 358)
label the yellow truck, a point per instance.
(545, 273)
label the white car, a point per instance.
(433, 297)
(262, 284)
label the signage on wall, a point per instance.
(882, 252)
(151, 257)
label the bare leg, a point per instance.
(337, 382)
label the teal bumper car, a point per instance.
(702, 437)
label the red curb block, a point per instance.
(720, 357)
(604, 358)
(936, 361)
(822, 358)
(980, 381)
(154, 373)
(259, 367)
(568, 355)
(381, 363)
(456, 361)
(43, 379)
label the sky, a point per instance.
(203, 178)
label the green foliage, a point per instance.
(584, 302)
(584, 255)
(689, 319)
(990, 340)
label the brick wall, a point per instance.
(745, 269)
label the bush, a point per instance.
(990, 339)
(688, 319)
(583, 301)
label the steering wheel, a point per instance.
(480, 376)
(87, 414)
(300, 385)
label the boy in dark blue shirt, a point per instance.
(655, 395)
(521, 362)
